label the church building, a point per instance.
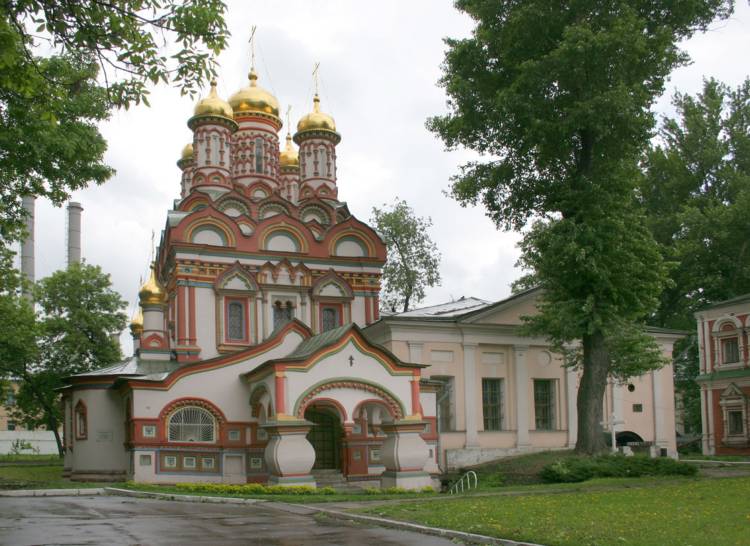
(260, 354)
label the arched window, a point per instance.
(81, 421)
(192, 424)
(235, 321)
(258, 155)
(282, 313)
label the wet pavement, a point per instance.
(117, 520)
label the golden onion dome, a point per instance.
(151, 293)
(213, 105)
(316, 120)
(254, 98)
(289, 157)
(136, 325)
(187, 151)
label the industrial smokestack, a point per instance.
(27, 247)
(74, 233)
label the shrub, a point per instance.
(253, 489)
(578, 469)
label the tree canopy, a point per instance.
(413, 259)
(73, 331)
(557, 98)
(65, 65)
(696, 193)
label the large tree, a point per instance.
(65, 65)
(73, 331)
(696, 192)
(556, 96)
(413, 259)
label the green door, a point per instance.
(325, 437)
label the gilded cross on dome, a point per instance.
(316, 68)
(252, 46)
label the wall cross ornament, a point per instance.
(351, 361)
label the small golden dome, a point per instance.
(187, 151)
(289, 157)
(151, 292)
(136, 325)
(254, 98)
(316, 120)
(213, 105)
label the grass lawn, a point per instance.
(38, 477)
(686, 512)
(30, 458)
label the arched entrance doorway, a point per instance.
(325, 437)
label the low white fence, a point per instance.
(33, 441)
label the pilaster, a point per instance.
(470, 395)
(522, 401)
(571, 391)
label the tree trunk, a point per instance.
(590, 401)
(53, 425)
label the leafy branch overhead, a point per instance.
(64, 66)
(413, 259)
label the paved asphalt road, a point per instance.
(120, 520)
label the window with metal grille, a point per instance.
(730, 351)
(736, 424)
(236, 321)
(192, 424)
(492, 403)
(330, 318)
(282, 313)
(544, 404)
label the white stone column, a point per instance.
(571, 392)
(711, 433)
(522, 400)
(617, 401)
(704, 422)
(415, 352)
(404, 454)
(289, 455)
(660, 439)
(470, 394)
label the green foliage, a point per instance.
(578, 469)
(562, 122)
(427, 490)
(696, 191)
(413, 259)
(253, 489)
(78, 314)
(54, 55)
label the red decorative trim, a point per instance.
(188, 401)
(154, 341)
(192, 337)
(416, 406)
(280, 398)
(181, 316)
(328, 402)
(386, 398)
(377, 401)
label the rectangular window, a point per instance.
(544, 404)
(374, 455)
(730, 351)
(637, 408)
(492, 403)
(330, 317)
(188, 462)
(11, 425)
(282, 313)
(10, 399)
(256, 463)
(144, 460)
(445, 404)
(234, 435)
(149, 431)
(170, 461)
(236, 320)
(736, 425)
(207, 463)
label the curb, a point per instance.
(53, 492)
(471, 538)
(179, 498)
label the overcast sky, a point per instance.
(380, 62)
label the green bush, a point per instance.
(398, 491)
(253, 489)
(578, 469)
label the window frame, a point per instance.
(496, 422)
(338, 307)
(81, 421)
(245, 303)
(551, 405)
(723, 342)
(168, 425)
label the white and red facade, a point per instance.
(724, 352)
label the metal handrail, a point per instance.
(464, 483)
